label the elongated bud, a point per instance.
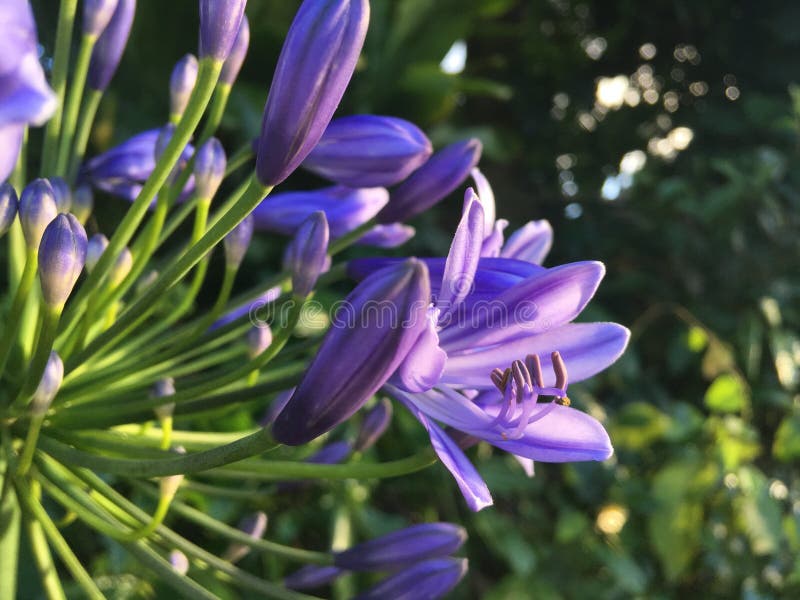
(307, 254)
(390, 235)
(110, 45)
(428, 579)
(374, 424)
(94, 250)
(219, 25)
(369, 151)
(122, 266)
(8, 206)
(37, 207)
(253, 525)
(360, 351)
(233, 64)
(61, 194)
(209, 168)
(163, 388)
(179, 562)
(62, 255)
(316, 63)
(259, 339)
(82, 203)
(181, 84)
(96, 16)
(237, 242)
(434, 180)
(311, 577)
(48, 386)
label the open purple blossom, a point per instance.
(369, 151)
(25, 97)
(316, 63)
(110, 45)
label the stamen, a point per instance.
(560, 370)
(497, 378)
(535, 368)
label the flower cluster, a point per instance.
(117, 345)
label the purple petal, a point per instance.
(531, 242)
(110, 45)
(10, 143)
(493, 243)
(219, 26)
(427, 580)
(312, 576)
(486, 196)
(424, 365)
(390, 235)
(526, 464)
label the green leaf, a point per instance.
(639, 425)
(758, 512)
(726, 394)
(787, 439)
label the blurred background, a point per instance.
(661, 138)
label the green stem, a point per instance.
(216, 111)
(14, 318)
(58, 80)
(47, 334)
(74, 102)
(204, 87)
(9, 540)
(44, 561)
(85, 121)
(30, 444)
(239, 158)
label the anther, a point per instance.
(535, 369)
(560, 369)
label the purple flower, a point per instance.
(181, 84)
(123, 169)
(8, 206)
(25, 97)
(209, 168)
(307, 254)
(369, 151)
(48, 386)
(96, 16)
(430, 579)
(390, 235)
(253, 525)
(434, 180)
(62, 253)
(237, 242)
(37, 208)
(82, 202)
(345, 209)
(360, 352)
(374, 424)
(312, 576)
(219, 25)
(94, 250)
(316, 63)
(233, 64)
(402, 548)
(110, 45)
(61, 194)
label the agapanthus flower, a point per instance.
(25, 97)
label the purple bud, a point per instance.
(96, 16)
(253, 525)
(163, 388)
(237, 242)
(404, 547)
(431, 579)
(162, 141)
(360, 351)
(8, 206)
(122, 266)
(390, 235)
(259, 339)
(276, 407)
(209, 168)
(179, 562)
(316, 63)
(110, 45)
(307, 254)
(219, 25)
(181, 84)
(48, 386)
(369, 151)
(37, 207)
(374, 424)
(82, 202)
(312, 576)
(62, 254)
(61, 194)
(434, 180)
(94, 250)
(233, 64)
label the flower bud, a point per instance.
(428, 579)
(96, 16)
(168, 486)
(61, 194)
(94, 250)
(219, 25)
(369, 151)
(110, 45)
(62, 254)
(233, 64)
(316, 63)
(307, 254)
(311, 577)
(434, 180)
(48, 386)
(259, 339)
(237, 242)
(8, 206)
(122, 266)
(82, 203)
(209, 168)
(37, 207)
(390, 235)
(374, 424)
(163, 388)
(253, 525)
(181, 84)
(179, 562)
